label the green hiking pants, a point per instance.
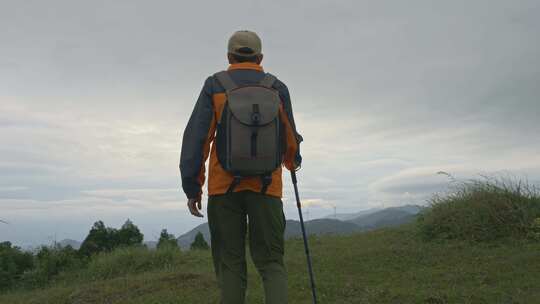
(229, 216)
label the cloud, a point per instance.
(416, 185)
(317, 203)
(153, 197)
(12, 188)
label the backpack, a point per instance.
(249, 139)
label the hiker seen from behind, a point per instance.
(243, 121)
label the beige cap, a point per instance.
(245, 43)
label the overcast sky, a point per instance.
(94, 96)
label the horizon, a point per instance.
(93, 102)
(331, 216)
(365, 213)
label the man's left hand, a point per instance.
(194, 205)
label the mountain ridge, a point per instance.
(369, 219)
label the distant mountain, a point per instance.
(319, 227)
(388, 217)
(69, 242)
(185, 240)
(292, 229)
(412, 209)
(350, 216)
(360, 221)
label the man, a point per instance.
(235, 199)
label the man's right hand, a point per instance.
(194, 205)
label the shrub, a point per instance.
(199, 243)
(482, 210)
(49, 262)
(13, 264)
(534, 232)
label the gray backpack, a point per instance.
(249, 138)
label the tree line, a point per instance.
(29, 269)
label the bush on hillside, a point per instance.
(13, 264)
(534, 233)
(49, 262)
(483, 210)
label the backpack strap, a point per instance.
(268, 81)
(266, 180)
(226, 81)
(237, 179)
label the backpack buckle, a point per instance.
(255, 114)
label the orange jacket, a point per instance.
(198, 138)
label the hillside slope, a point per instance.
(320, 227)
(382, 266)
(388, 217)
(350, 216)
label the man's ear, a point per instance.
(259, 58)
(231, 59)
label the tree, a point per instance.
(128, 235)
(99, 239)
(199, 242)
(166, 240)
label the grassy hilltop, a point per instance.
(480, 244)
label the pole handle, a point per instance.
(293, 177)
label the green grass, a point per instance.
(483, 210)
(384, 266)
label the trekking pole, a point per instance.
(310, 269)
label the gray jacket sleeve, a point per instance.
(195, 135)
(287, 106)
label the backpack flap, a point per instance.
(254, 105)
